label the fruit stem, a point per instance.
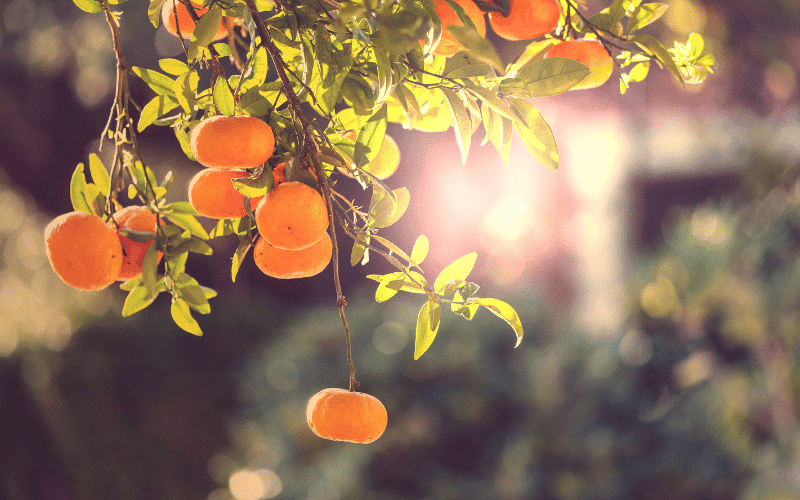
(310, 150)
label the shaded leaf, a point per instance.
(159, 82)
(427, 325)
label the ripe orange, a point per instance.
(185, 21)
(292, 216)
(590, 53)
(211, 194)
(342, 415)
(83, 250)
(288, 264)
(232, 141)
(526, 19)
(448, 45)
(136, 218)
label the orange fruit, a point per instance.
(292, 216)
(448, 45)
(277, 175)
(232, 141)
(591, 54)
(342, 415)
(289, 264)
(136, 218)
(211, 194)
(185, 21)
(83, 250)
(526, 19)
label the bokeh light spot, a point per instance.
(390, 338)
(254, 484)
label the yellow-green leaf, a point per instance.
(182, 316)
(458, 270)
(505, 311)
(427, 326)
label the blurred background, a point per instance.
(656, 274)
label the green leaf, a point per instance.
(173, 66)
(137, 236)
(154, 12)
(90, 6)
(646, 13)
(195, 298)
(131, 284)
(182, 316)
(655, 48)
(159, 82)
(155, 109)
(420, 250)
(370, 138)
(458, 271)
(77, 191)
(462, 125)
(551, 75)
(185, 142)
(392, 247)
(466, 311)
(384, 76)
(427, 326)
(223, 98)
(95, 199)
(505, 311)
(491, 99)
(185, 89)
(180, 207)
(536, 134)
(534, 50)
(258, 70)
(479, 47)
(359, 252)
(385, 211)
(138, 298)
(384, 293)
(189, 223)
(204, 32)
(99, 174)
(150, 269)
(463, 65)
(238, 256)
(256, 186)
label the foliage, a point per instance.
(343, 67)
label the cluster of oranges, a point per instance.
(90, 254)
(292, 218)
(527, 19)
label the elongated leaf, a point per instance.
(154, 11)
(77, 191)
(427, 325)
(138, 298)
(420, 250)
(90, 6)
(479, 47)
(462, 124)
(150, 269)
(99, 173)
(536, 134)
(387, 211)
(159, 82)
(155, 109)
(463, 65)
(505, 311)
(195, 298)
(384, 73)
(654, 47)
(223, 98)
(360, 252)
(189, 223)
(552, 75)
(204, 32)
(491, 99)
(458, 271)
(383, 292)
(253, 187)
(182, 316)
(370, 138)
(645, 14)
(173, 66)
(185, 89)
(238, 257)
(391, 247)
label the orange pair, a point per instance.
(88, 254)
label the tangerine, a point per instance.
(342, 415)
(83, 250)
(591, 54)
(136, 218)
(212, 195)
(240, 141)
(292, 216)
(185, 21)
(289, 264)
(448, 44)
(526, 19)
